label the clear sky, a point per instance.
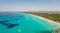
(29, 5)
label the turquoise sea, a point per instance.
(27, 23)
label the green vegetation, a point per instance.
(54, 17)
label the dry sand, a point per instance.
(45, 19)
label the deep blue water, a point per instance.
(27, 23)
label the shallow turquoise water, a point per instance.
(27, 23)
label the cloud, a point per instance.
(30, 8)
(37, 5)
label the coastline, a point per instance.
(45, 19)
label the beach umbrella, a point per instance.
(14, 22)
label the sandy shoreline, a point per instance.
(51, 21)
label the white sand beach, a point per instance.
(51, 21)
